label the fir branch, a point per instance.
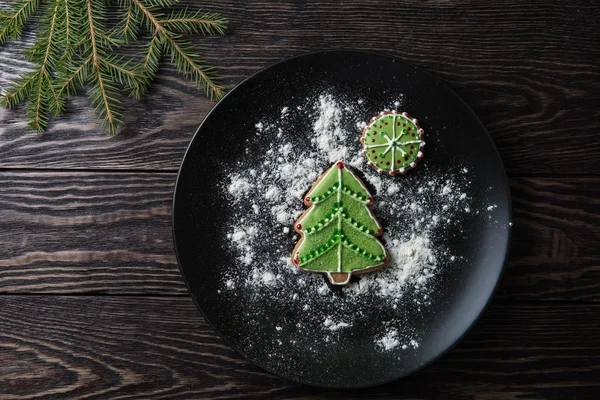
(13, 20)
(19, 90)
(182, 56)
(149, 16)
(150, 64)
(130, 24)
(153, 54)
(102, 94)
(75, 49)
(198, 22)
(43, 51)
(46, 67)
(71, 80)
(160, 3)
(37, 111)
(192, 67)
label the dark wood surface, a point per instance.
(92, 304)
(140, 347)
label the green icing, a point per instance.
(339, 229)
(392, 142)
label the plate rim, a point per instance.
(508, 228)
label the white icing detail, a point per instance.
(339, 199)
(323, 226)
(372, 146)
(355, 226)
(412, 142)
(386, 150)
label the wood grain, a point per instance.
(530, 70)
(88, 216)
(66, 232)
(554, 251)
(84, 232)
(115, 348)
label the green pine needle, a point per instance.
(14, 18)
(76, 45)
(194, 23)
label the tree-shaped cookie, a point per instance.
(338, 231)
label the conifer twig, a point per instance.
(77, 47)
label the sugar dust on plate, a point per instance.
(431, 204)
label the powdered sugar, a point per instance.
(243, 239)
(334, 326)
(328, 132)
(239, 185)
(417, 211)
(412, 261)
(389, 341)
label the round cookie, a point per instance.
(393, 142)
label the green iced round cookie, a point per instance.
(393, 142)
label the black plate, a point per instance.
(200, 216)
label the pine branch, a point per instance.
(76, 46)
(19, 90)
(37, 111)
(182, 53)
(13, 20)
(46, 65)
(160, 3)
(43, 52)
(130, 24)
(67, 44)
(191, 66)
(153, 54)
(198, 22)
(71, 80)
(131, 77)
(102, 93)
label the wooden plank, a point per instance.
(554, 251)
(83, 232)
(127, 347)
(111, 233)
(530, 70)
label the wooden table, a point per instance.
(92, 304)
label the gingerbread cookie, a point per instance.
(393, 142)
(338, 231)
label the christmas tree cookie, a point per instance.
(338, 231)
(393, 142)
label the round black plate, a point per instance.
(200, 214)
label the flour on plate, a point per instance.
(417, 210)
